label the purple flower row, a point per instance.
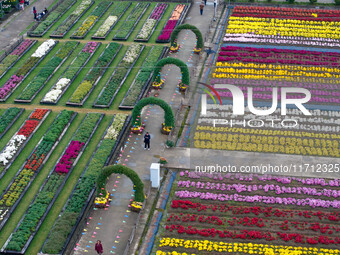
(266, 188)
(9, 85)
(259, 199)
(251, 177)
(70, 154)
(158, 11)
(90, 47)
(22, 47)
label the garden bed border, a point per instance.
(121, 83)
(113, 25)
(98, 79)
(94, 23)
(19, 57)
(62, 36)
(32, 68)
(153, 30)
(23, 250)
(12, 122)
(74, 77)
(23, 145)
(133, 27)
(179, 21)
(12, 208)
(146, 85)
(48, 78)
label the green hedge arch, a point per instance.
(175, 32)
(171, 61)
(120, 169)
(169, 119)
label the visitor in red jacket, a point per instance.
(99, 247)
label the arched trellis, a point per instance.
(175, 32)
(120, 169)
(169, 119)
(171, 61)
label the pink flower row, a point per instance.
(9, 85)
(67, 159)
(22, 47)
(264, 178)
(312, 202)
(90, 47)
(157, 12)
(266, 188)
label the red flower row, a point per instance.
(254, 222)
(34, 162)
(256, 210)
(28, 128)
(252, 235)
(38, 114)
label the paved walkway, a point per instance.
(113, 225)
(11, 28)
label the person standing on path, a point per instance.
(201, 7)
(99, 247)
(215, 8)
(205, 2)
(35, 13)
(22, 2)
(147, 141)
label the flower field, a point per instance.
(243, 214)
(291, 26)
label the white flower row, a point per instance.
(82, 6)
(43, 48)
(106, 26)
(3, 212)
(116, 127)
(146, 29)
(11, 149)
(132, 53)
(57, 89)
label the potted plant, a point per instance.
(169, 144)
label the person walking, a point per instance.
(99, 247)
(201, 7)
(215, 8)
(147, 138)
(215, 3)
(205, 2)
(22, 2)
(35, 13)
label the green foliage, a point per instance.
(120, 169)
(79, 11)
(143, 76)
(291, 1)
(86, 128)
(27, 66)
(98, 68)
(34, 213)
(39, 81)
(76, 202)
(7, 62)
(129, 23)
(76, 65)
(171, 61)
(52, 17)
(58, 126)
(115, 81)
(168, 113)
(101, 8)
(7, 117)
(170, 143)
(194, 29)
(313, 1)
(337, 2)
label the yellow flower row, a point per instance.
(172, 253)
(274, 77)
(279, 67)
(275, 72)
(285, 27)
(265, 132)
(246, 248)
